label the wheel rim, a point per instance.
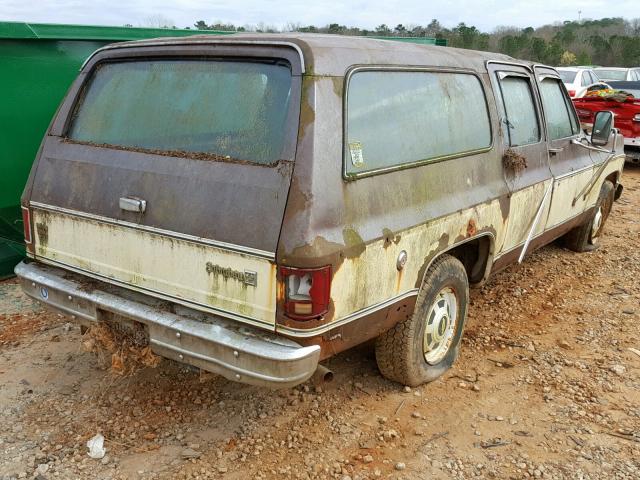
(597, 224)
(440, 326)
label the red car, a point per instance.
(626, 113)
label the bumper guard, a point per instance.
(237, 352)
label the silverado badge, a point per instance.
(247, 277)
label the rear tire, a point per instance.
(421, 348)
(586, 237)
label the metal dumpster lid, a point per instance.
(52, 31)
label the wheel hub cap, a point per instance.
(440, 326)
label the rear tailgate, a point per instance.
(204, 148)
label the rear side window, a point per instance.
(521, 119)
(611, 74)
(220, 110)
(401, 118)
(559, 116)
(585, 79)
(567, 76)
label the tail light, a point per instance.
(307, 292)
(572, 93)
(26, 221)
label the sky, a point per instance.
(484, 14)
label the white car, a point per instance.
(579, 80)
(618, 74)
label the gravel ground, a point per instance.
(547, 386)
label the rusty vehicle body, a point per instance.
(204, 249)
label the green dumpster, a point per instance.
(38, 62)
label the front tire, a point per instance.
(421, 348)
(586, 237)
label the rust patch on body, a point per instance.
(42, 230)
(388, 237)
(472, 228)
(318, 253)
(307, 114)
(338, 85)
(443, 243)
(299, 200)
(359, 331)
(353, 243)
(505, 206)
(399, 280)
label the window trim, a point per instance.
(286, 153)
(502, 74)
(542, 76)
(406, 68)
(245, 51)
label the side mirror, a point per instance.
(602, 126)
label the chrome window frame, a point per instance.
(406, 68)
(500, 75)
(540, 77)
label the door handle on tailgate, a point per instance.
(133, 204)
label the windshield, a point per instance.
(567, 76)
(211, 109)
(604, 74)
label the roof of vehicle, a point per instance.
(612, 68)
(571, 69)
(332, 55)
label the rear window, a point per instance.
(401, 118)
(567, 76)
(220, 110)
(611, 74)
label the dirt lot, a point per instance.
(547, 386)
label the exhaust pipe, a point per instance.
(322, 375)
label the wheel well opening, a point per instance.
(474, 255)
(613, 178)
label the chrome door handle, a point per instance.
(555, 150)
(133, 204)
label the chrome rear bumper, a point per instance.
(239, 353)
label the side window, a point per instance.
(594, 78)
(520, 114)
(399, 118)
(559, 114)
(585, 79)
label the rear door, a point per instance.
(572, 165)
(525, 158)
(167, 171)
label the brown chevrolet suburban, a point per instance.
(257, 203)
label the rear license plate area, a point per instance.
(135, 333)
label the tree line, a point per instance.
(608, 41)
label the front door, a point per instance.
(525, 157)
(572, 166)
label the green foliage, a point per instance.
(607, 41)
